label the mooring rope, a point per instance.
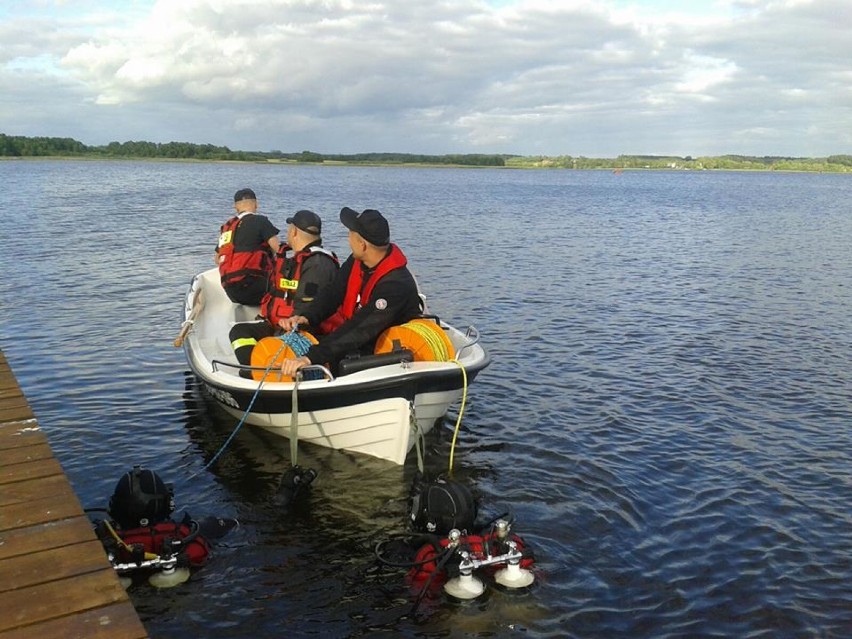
(299, 345)
(461, 412)
(298, 342)
(440, 353)
(294, 421)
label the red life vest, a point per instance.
(278, 303)
(236, 265)
(358, 292)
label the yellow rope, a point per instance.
(461, 412)
(438, 346)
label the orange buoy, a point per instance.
(425, 338)
(270, 348)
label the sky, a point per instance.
(528, 77)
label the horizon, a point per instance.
(757, 78)
(687, 157)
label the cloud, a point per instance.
(529, 77)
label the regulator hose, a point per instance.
(194, 529)
(450, 551)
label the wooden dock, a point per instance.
(55, 579)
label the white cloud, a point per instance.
(573, 77)
(702, 73)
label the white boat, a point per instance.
(379, 411)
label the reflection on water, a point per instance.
(666, 414)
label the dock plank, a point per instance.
(25, 492)
(8, 389)
(20, 454)
(55, 578)
(30, 470)
(16, 434)
(56, 534)
(60, 598)
(116, 621)
(40, 511)
(15, 411)
(69, 561)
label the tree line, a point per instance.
(22, 146)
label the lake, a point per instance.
(667, 413)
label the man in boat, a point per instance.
(373, 291)
(295, 281)
(247, 243)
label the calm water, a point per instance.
(667, 412)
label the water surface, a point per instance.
(667, 412)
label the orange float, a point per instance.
(270, 348)
(424, 338)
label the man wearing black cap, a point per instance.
(373, 291)
(295, 282)
(247, 244)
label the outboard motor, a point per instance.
(141, 498)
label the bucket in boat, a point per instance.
(425, 338)
(269, 348)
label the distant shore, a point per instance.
(49, 148)
(530, 165)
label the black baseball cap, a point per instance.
(306, 220)
(369, 224)
(244, 194)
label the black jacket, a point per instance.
(394, 301)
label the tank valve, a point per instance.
(501, 529)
